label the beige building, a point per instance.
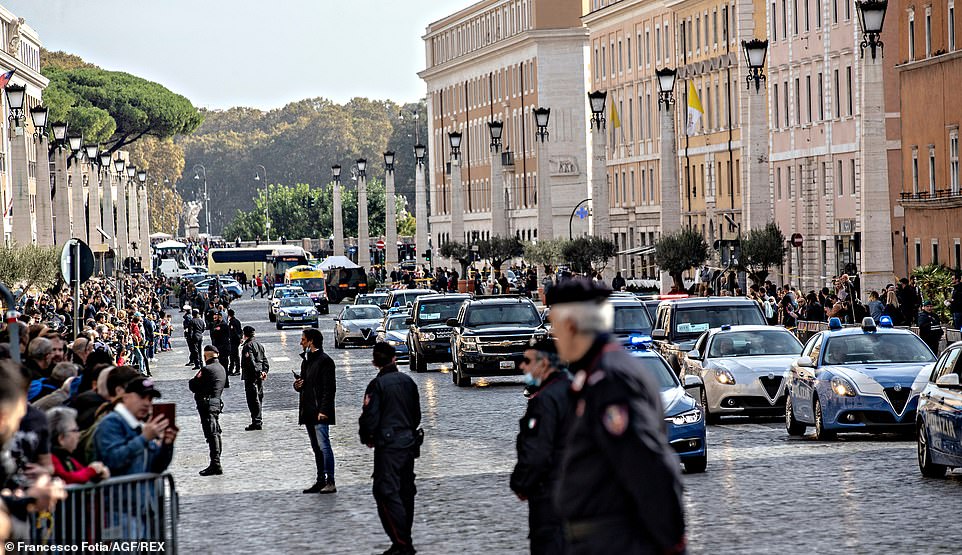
(497, 60)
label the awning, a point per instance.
(638, 251)
(170, 245)
(336, 262)
(161, 235)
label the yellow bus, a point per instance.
(312, 281)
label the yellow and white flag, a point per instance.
(615, 120)
(695, 111)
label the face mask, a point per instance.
(530, 380)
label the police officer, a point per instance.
(236, 336)
(254, 368)
(220, 337)
(619, 490)
(541, 440)
(208, 385)
(930, 328)
(389, 423)
(196, 340)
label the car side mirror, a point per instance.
(452, 322)
(949, 381)
(694, 382)
(694, 354)
(805, 362)
(659, 334)
(409, 321)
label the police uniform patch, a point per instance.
(579, 382)
(580, 409)
(367, 399)
(532, 423)
(596, 377)
(615, 419)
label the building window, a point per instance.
(958, 255)
(807, 15)
(621, 67)
(821, 100)
(785, 18)
(714, 27)
(928, 31)
(851, 176)
(808, 96)
(604, 72)
(932, 170)
(778, 183)
(775, 104)
(918, 253)
(697, 33)
(848, 11)
(790, 181)
(657, 44)
(849, 90)
(818, 14)
(787, 111)
(795, 13)
(951, 19)
(798, 101)
(935, 251)
(911, 36)
(647, 47)
(954, 160)
(774, 24)
(628, 51)
(915, 170)
(835, 11)
(841, 182)
(838, 97)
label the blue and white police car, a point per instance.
(940, 414)
(684, 417)
(856, 379)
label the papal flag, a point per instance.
(615, 120)
(695, 111)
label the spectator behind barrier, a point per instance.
(64, 438)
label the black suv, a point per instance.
(679, 323)
(345, 282)
(429, 338)
(632, 321)
(490, 336)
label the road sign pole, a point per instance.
(76, 289)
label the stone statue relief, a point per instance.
(191, 212)
(13, 48)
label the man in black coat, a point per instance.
(317, 386)
(208, 386)
(955, 303)
(389, 423)
(930, 327)
(196, 339)
(220, 337)
(617, 435)
(254, 366)
(541, 441)
(236, 336)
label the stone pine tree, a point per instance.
(677, 252)
(762, 249)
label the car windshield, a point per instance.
(402, 299)
(632, 319)
(690, 322)
(868, 348)
(297, 301)
(754, 343)
(309, 284)
(284, 293)
(396, 323)
(363, 313)
(523, 314)
(430, 313)
(370, 299)
(660, 371)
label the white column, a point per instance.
(133, 220)
(107, 206)
(457, 201)
(78, 217)
(758, 199)
(600, 219)
(22, 218)
(338, 220)
(545, 204)
(670, 216)
(875, 218)
(363, 236)
(499, 221)
(420, 212)
(61, 198)
(145, 228)
(390, 231)
(123, 226)
(44, 202)
(95, 210)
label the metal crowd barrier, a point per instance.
(139, 507)
(805, 329)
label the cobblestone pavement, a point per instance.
(762, 493)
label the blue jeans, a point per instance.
(323, 454)
(957, 320)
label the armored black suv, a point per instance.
(490, 335)
(429, 337)
(679, 323)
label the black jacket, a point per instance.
(392, 410)
(197, 327)
(930, 328)
(253, 361)
(208, 385)
(541, 439)
(220, 336)
(236, 332)
(955, 304)
(317, 393)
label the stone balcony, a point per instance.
(941, 198)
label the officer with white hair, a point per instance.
(620, 485)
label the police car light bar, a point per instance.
(834, 323)
(638, 341)
(868, 324)
(885, 322)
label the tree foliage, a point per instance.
(935, 282)
(459, 252)
(164, 161)
(29, 266)
(588, 253)
(547, 253)
(499, 249)
(761, 250)
(677, 252)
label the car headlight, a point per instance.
(842, 387)
(282, 312)
(393, 343)
(312, 313)
(427, 336)
(689, 417)
(470, 343)
(725, 377)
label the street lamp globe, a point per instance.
(755, 51)
(596, 101)
(76, 141)
(91, 152)
(131, 171)
(15, 96)
(39, 116)
(454, 140)
(336, 172)
(419, 151)
(119, 166)
(59, 131)
(541, 116)
(666, 79)
(361, 165)
(389, 160)
(496, 128)
(142, 176)
(104, 159)
(871, 15)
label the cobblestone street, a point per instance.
(762, 493)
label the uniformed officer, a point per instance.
(544, 428)
(254, 367)
(930, 327)
(389, 423)
(620, 487)
(208, 385)
(220, 338)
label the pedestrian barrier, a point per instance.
(139, 507)
(805, 329)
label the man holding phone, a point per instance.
(130, 443)
(317, 386)
(208, 385)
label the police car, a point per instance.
(683, 415)
(856, 379)
(939, 419)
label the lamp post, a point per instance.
(601, 219)
(144, 216)
(420, 203)
(875, 218)
(267, 200)
(133, 211)
(197, 175)
(123, 226)
(363, 237)
(390, 212)
(499, 216)
(44, 204)
(338, 211)
(757, 198)
(670, 216)
(457, 188)
(545, 211)
(107, 212)
(78, 220)
(94, 209)
(15, 97)
(61, 193)
(22, 224)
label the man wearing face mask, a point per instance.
(541, 440)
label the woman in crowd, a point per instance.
(64, 437)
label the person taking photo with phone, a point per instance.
(317, 386)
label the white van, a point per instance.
(173, 268)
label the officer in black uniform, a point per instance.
(389, 423)
(620, 487)
(544, 428)
(254, 366)
(930, 327)
(208, 385)
(197, 327)
(236, 336)
(220, 337)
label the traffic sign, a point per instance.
(67, 256)
(796, 239)
(380, 244)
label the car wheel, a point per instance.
(460, 380)
(696, 465)
(709, 417)
(820, 432)
(317, 324)
(792, 426)
(928, 468)
(422, 365)
(271, 317)
(279, 326)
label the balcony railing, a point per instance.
(929, 195)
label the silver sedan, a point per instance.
(743, 369)
(357, 324)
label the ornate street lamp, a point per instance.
(142, 176)
(105, 161)
(871, 16)
(39, 116)
(666, 86)
(496, 129)
(119, 167)
(755, 51)
(596, 101)
(454, 138)
(541, 116)
(389, 161)
(91, 152)
(15, 96)
(75, 140)
(419, 152)
(336, 172)
(59, 132)
(361, 167)
(131, 171)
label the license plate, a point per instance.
(506, 364)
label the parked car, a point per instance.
(296, 311)
(356, 324)
(743, 369)
(939, 420)
(227, 283)
(429, 339)
(279, 293)
(857, 379)
(394, 331)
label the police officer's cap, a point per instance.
(211, 349)
(385, 350)
(544, 345)
(577, 290)
(249, 331)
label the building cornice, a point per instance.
(24, 71)
(930, 61)
(461, 16)
(625, 9)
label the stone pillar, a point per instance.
(20, 199)
(757, 201)
(78, 216)
(363, 236)
(499, 223)
(145, 229)
(61, 198)
(420, 212)
(107, 207)
(600, 219)
(44, 202)
(94, 208)
(457, 201)
(545, 205)
(133, 221)
(875, 219)
(123, 226)
(338, 220)
(670, 216)
(390, 231)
